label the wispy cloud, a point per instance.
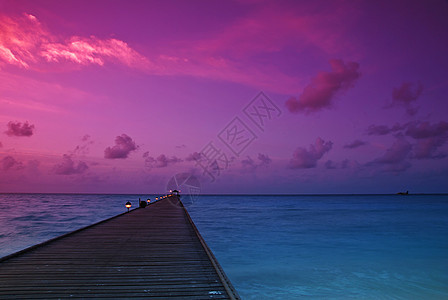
(84, 147)
(266, 30)
(24, 42)
(161, 161)
(383, 129)
(10, 163)
(92, 50)
(355, 144)
(345, 164)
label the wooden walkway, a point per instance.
(154, 252)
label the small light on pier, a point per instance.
(128, 205)
(149, 200)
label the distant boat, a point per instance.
(403, 193)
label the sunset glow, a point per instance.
(292, 96)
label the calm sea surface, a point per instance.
(281, 247)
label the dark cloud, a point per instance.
(248, 164)
(355, 144)
(430, 137)
(195, 156)
(85, 138)
(383, 129)
(345, 164)
(329, 164)
(252, 165)
(303, 159)
(10, 163)
(69, 167)
(322, 89)
(19, 129)
(181, 146)
(162, 161)
(395, 158)
(123, 146)
(422, 130)
(408, 92)
(264, 159)
(397, 153)
(427, 148)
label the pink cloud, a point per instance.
(28, 43)
(1, 145)
(273, 26)
(325, 86)
(68, 166)
(124, 145)
(92, 50)
(304, 159)
(10, 163)
(19, 129)
(24, 41)
(355, 144)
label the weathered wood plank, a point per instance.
(155, 252)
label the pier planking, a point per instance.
(154, 252)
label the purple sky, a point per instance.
(120, 96)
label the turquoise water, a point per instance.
(282, 247)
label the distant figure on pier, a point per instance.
(141, 204)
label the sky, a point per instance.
(245, 96)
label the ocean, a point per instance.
(280, 246)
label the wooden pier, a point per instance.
(154, 252)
